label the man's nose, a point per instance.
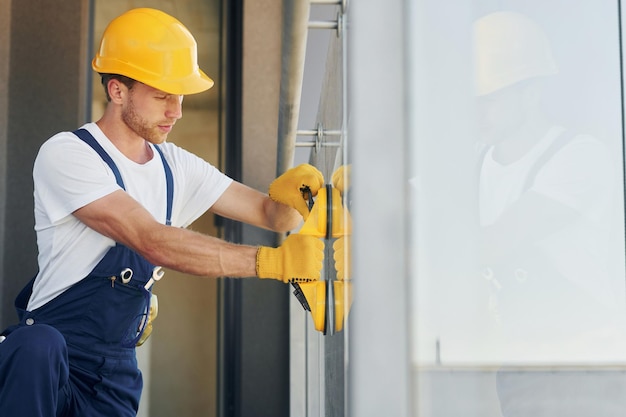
(175, 107)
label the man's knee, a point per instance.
(34, 344)
(33, 369)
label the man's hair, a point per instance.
(128, 82)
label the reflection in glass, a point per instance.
(518, 287)
(547, 207)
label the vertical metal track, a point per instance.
(623, 122)
(346, 195)
(308, 397)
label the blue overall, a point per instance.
(75, 355)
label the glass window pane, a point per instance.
(518, 208)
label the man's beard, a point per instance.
(140, 126)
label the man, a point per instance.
(112, 201)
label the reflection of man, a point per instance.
(545, 196)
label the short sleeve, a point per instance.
(580, 175)
(198, 184)
(68, 174)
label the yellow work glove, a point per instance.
(342, 254)
(341, 178)
(298, 259)
(290, 187)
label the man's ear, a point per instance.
(116, 90)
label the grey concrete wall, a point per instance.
(5, 47)
(42, 90)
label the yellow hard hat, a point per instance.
(153, 48)
(509, 48)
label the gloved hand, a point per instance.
(289, 188)
(342, 254)
(341, 178)
(298, 259)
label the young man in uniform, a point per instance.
(112, 201)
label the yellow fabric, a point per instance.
(342, 256)
(341, 178)
(290, 187)
(298, 259)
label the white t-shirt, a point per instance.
(543, 321)
(68, 174)
(579, 176)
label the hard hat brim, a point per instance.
(191, 84)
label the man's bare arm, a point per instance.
(121, 218)
(242, 203)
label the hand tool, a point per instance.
(157, 274)
(327, 300)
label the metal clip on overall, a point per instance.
(328, 299)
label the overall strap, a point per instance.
(169, 179)
(91, 141)
(556, 145)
